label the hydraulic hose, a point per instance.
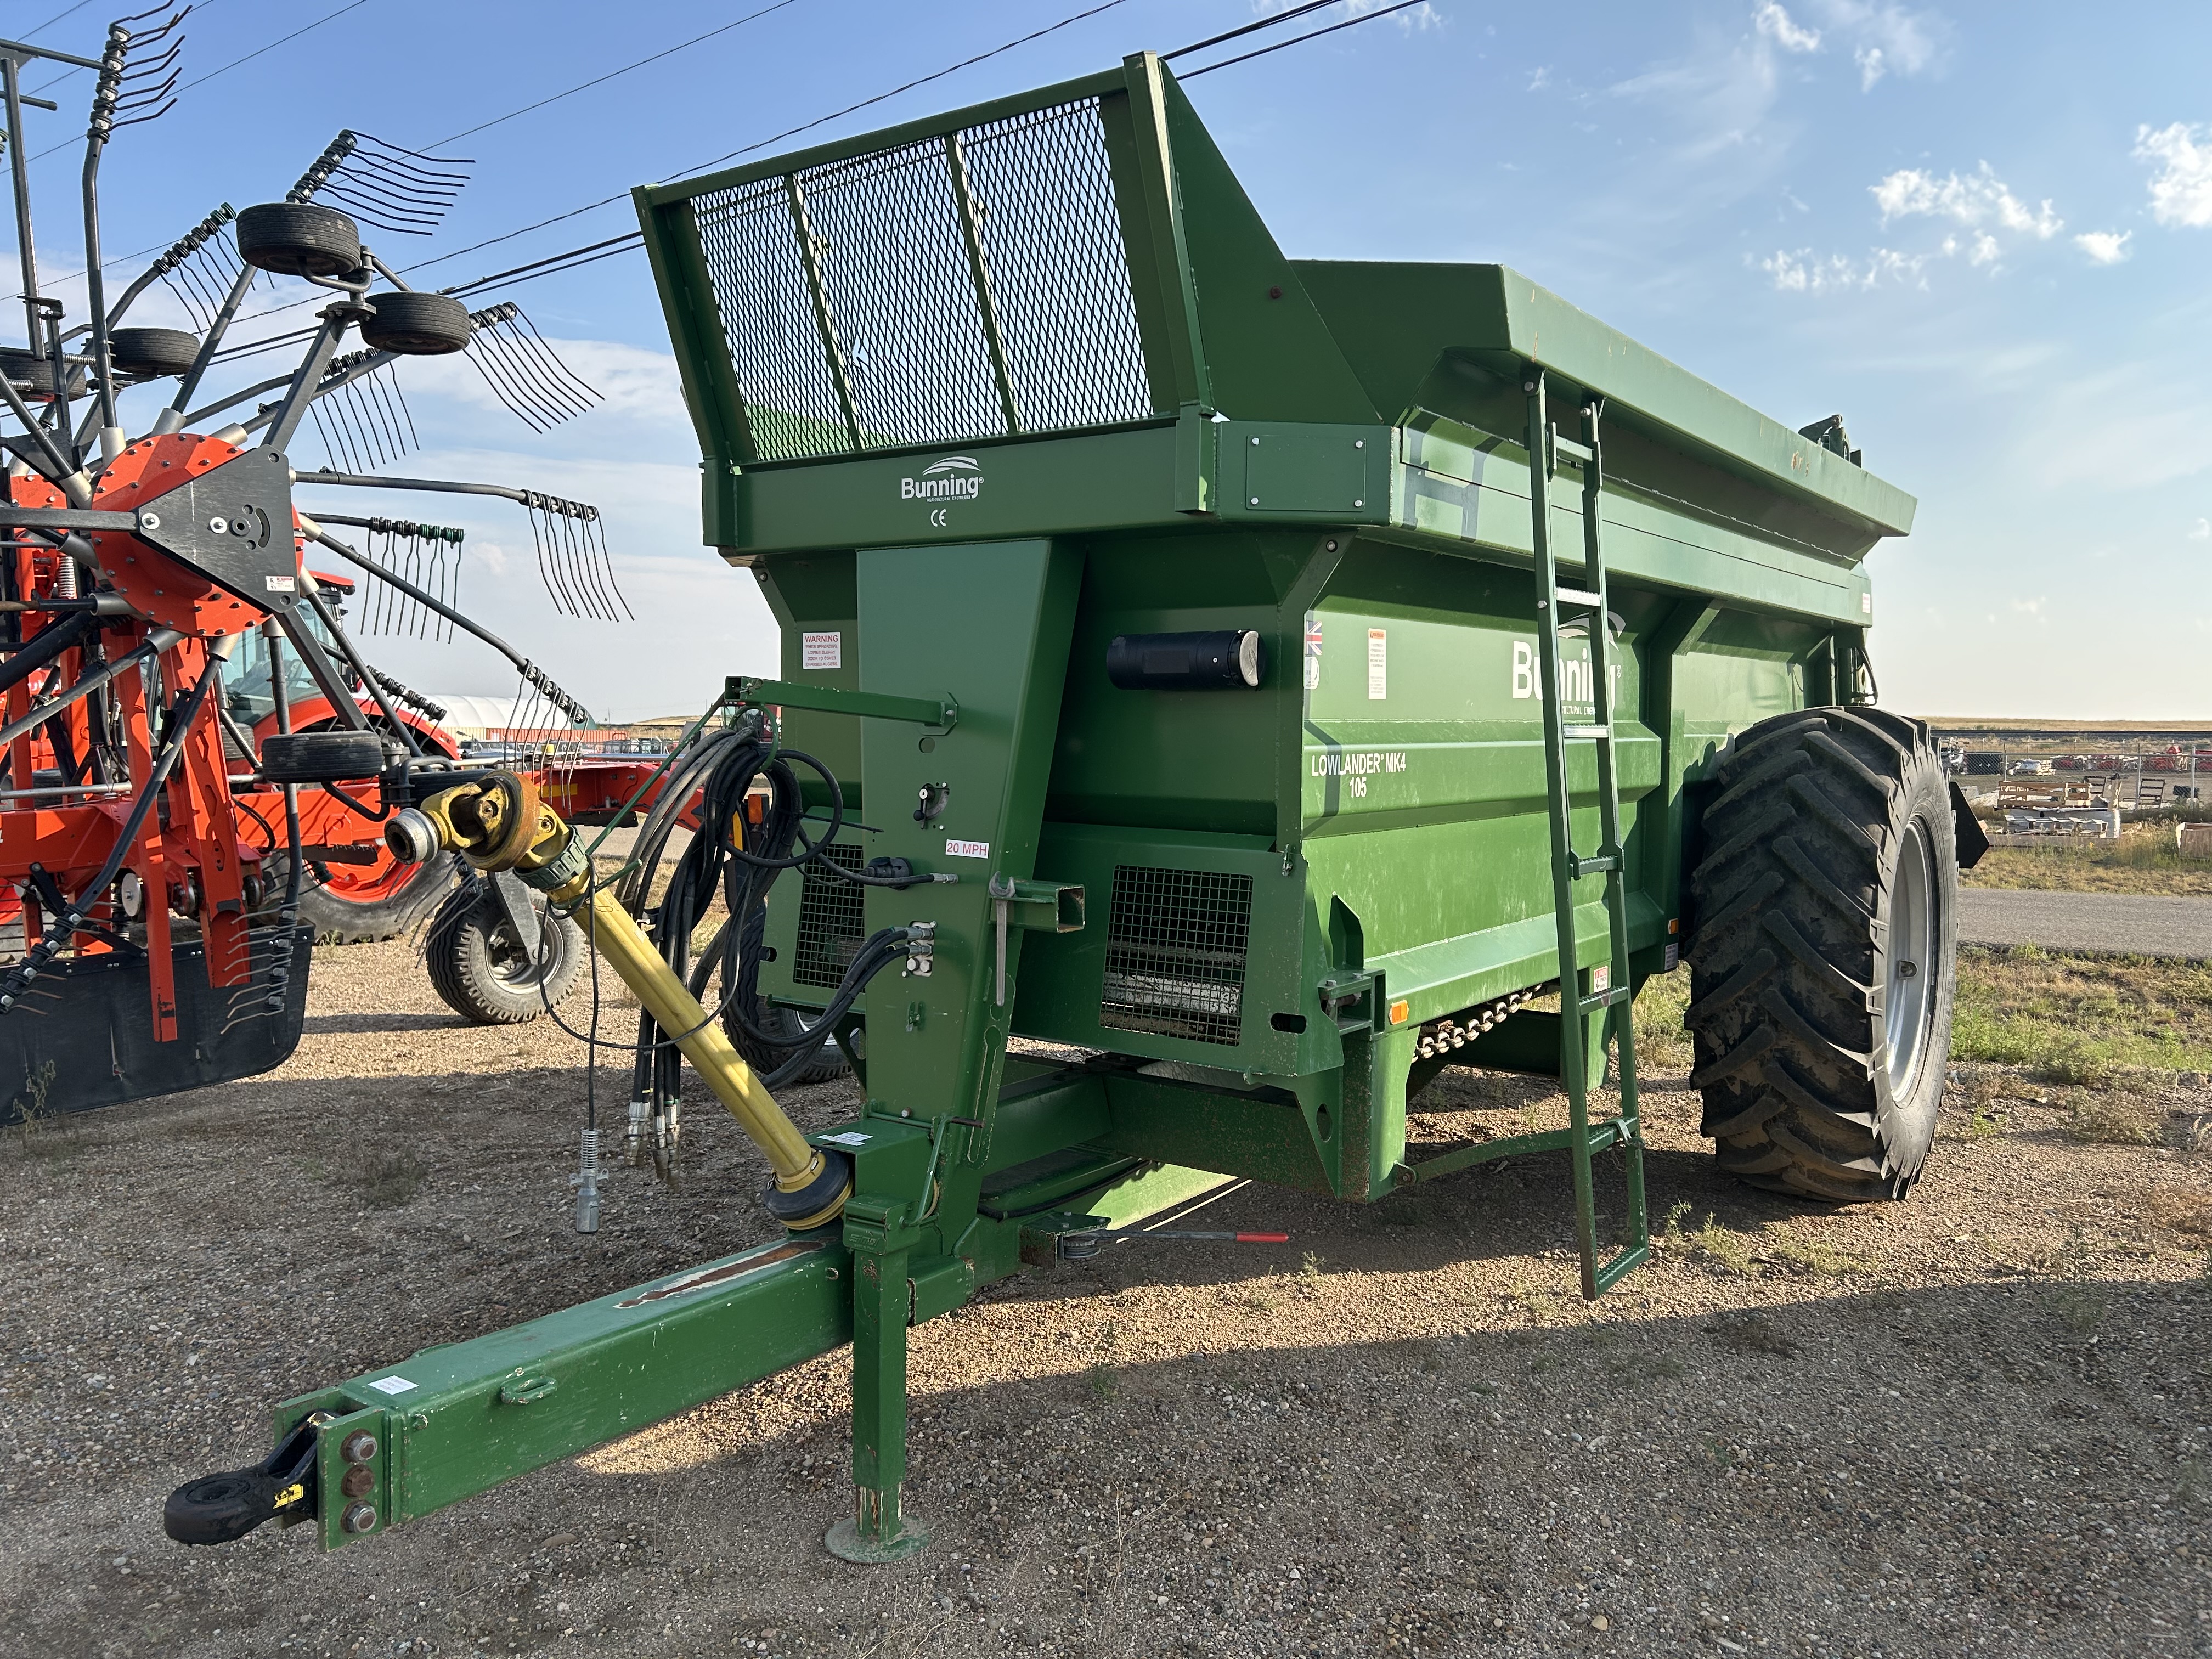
(499, 824)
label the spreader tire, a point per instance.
(1825, 916)
(479, 969)
(340, 918)
(299, 238)
(417, 325)
(340, 757)
(152, 354)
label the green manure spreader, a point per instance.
(1254, 683)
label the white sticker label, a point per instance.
(850, 1138)
(821, 650)
(1866, 604)
(392, 1385)
(1378, 664)
(968, 849)
(280, 584)
(1601, 978)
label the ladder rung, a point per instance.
(1602, 733)
(1606, 998)
(1582, 454)
(1581, 596)
(1596, 864)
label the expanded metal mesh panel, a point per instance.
(911, 307)
(1175, 943)
(1060, 277)
(832, 921)
(752, 244)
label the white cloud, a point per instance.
(1540, 78)
(2104, 247)
(1423, 16)
(2201, 531)
(1985, 251)
(2181, 191)
(1891, 40)
(1778, 26)
(1977, 200)
(1805, 272)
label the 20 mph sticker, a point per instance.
(968, 849)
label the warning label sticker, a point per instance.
(1378, 664)
(821, 650)
(392, 1385)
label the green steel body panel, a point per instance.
(981, 393)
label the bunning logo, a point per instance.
(954, 478)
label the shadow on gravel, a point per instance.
(326, 1024)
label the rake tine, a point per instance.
(567, 530)
(370, 394)
(552, 398)
(586, 576)
(579, 559)
(493, 364)
(546, 396)
(537, 540)
(392, 376)
(520, 324)
(607, 563)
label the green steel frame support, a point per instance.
(1606, 990)
(879, 1530)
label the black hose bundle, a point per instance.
(740, 858)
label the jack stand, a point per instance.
(879, 1530)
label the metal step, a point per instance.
(1603, 990)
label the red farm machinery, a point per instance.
(195, 756)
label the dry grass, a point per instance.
(2143, 860)
(2116, 1118)
(2082, 1020)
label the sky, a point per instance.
(1981, 233)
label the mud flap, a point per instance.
(1968, 830)
(82, 1034)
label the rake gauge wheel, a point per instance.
(480, 971)
(417, 325)
(1822, 965)
(152, 354)
(322, 756)
(299, 238)
(33, 375)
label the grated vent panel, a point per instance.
(1175, 943)
(832, 921)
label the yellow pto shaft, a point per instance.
(502, 825)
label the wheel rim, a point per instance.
(1910, 998)
(512, 965)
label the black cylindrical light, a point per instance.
(1230, 659)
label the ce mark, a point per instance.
(936, 521)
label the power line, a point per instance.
(350, 5)
(1276, 22)
(632, 239)
(1300, 39)
(66, 11)
(789, 132)
(613, 73)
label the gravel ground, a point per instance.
(1976, 1423)
(2136, 924)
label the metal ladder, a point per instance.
(1608, 996)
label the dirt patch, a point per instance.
(1978, 1422)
